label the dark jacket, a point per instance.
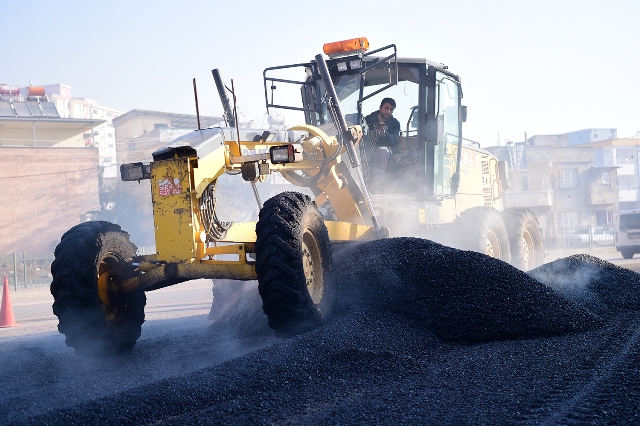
(388, 136)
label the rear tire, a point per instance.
(294, 264)
(627, 254)
(525, 239)
(482, 229)
(92, 327)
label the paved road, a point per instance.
(32, 307)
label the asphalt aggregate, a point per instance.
(421, 333)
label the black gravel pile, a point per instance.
(599, 286)
(391, 354)
(461, 296)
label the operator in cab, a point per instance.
(382, 137)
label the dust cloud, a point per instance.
(602, 287)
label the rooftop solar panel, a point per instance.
(34, 108)
(50, 109)
(6, 110)
(22, 110)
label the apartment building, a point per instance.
(49, 177)
(140, 132)
(103, 136)
(622, 154)
(561, 183)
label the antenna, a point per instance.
(195, 93)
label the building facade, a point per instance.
(569, 192)
(103, 136)
(622, 154)
(581, 137)
(140, 132)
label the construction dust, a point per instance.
(601, 287)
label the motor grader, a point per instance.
(438, 188)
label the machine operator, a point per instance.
(383, 134)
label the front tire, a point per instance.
(525, 239)
(627, 254)
(85, 253)
(294, 264)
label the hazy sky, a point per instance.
(541, 67)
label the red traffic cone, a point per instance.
(6, 311)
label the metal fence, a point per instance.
(26, 270)
(588, 237)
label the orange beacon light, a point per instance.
(345, 47)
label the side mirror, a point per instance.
(463, 113)
(455, 182)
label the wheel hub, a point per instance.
(528, 251)
(492, 247)
(312, 266)
(113, 304)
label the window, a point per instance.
(568, 178)
(605, 178)
(604, 217)
(160, 126)
(629, 221)
(448, 104)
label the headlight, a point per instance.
(135, 171)
(285, 154)
(355, 64)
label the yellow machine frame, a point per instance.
(182, 250)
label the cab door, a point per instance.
(443, 139)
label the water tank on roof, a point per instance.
(5, 89)
(35, 91)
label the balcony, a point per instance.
(515, 199)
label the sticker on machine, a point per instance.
(170, 186)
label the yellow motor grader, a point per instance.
(99, 282)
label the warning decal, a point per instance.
(170, 186)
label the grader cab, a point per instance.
(99, 282)
(436, 184)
